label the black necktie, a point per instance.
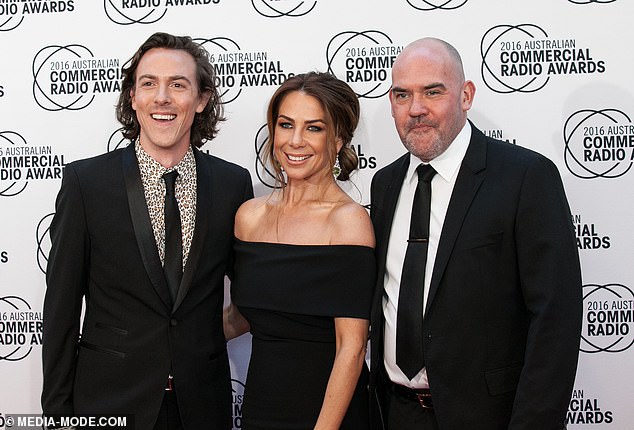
(173, 263)
(409, 320)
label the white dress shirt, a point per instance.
(447, 166)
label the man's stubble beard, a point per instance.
(424, 151)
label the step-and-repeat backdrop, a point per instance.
(551, 75)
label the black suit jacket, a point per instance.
(503, 316)
(104, 251)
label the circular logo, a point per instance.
(12, 11)
(55, 87)
(20, 163)
(506, 68)
(598, 143)
(116, 140)
(363, 60)
(237, 391)
(227, 82)
(20, 328)
(608, 322)
(263, 172)
(134, 12)
(289, 8)
(68, 77)
(237, 68)
(12, 179)
(10, 16)
(43, 240)
(427, 5)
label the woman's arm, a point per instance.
(351, 340)
(351, 226)
(233, 323)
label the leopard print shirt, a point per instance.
(154, 187)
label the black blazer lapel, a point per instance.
(385, 194)
(384, 215)
(469, 179)
(143, 225)
(203, 211)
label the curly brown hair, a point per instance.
(205, 125)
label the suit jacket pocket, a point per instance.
(480, 241)
(112, 328)
(103, 349)
(504, 380)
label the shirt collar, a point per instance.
(448, 163)
(152, 170)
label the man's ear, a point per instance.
(468, 93)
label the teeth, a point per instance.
(168, 117)
(296, 158)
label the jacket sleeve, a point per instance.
(247, 194)
(66, 279)
(248, 187)
(550, 278)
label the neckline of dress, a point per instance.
(300, 245)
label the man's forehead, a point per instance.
(422, 72)
(415, 78)
(172, 63)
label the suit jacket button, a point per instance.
(173, 322)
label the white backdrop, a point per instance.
(553, 76)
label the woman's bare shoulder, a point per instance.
(249, 216)
(351, 225)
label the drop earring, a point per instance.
(336, 168)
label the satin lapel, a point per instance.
(142, 225)
(470, 177)
(203, 213)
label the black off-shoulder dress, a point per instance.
(290, 294)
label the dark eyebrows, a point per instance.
(431, 86)
(281, 116)
(171, 78)
(310, 121)
(435, 85)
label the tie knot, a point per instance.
(425, 172)
(170, 181)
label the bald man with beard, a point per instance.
(498, 316)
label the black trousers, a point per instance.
(407, 414)
(169, 417)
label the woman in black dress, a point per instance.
(304, 269)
